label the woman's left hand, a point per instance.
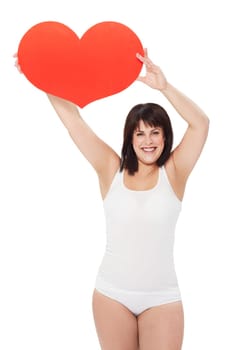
(154, 76)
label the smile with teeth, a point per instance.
(149, 149)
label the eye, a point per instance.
(156, 132)
(138, 133)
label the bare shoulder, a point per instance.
(177, 182)
(106, 177)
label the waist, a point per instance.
(137, 273)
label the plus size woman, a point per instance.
(137, 302)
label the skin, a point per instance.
(148, 143)
(159, 327)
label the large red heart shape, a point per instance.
(101, 63)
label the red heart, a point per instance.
(102, 63)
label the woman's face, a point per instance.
(148, 143)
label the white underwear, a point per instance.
(137, 302)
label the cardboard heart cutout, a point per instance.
(101, 63)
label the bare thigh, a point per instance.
(116, 326)
(162, 327)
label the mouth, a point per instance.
(149, 149)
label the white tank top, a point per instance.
(140, 236)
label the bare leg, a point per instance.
(116, 326)
(162, 327)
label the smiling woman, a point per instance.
(143, 120)
(148, 143)
(136, 285)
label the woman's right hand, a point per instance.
(17, 62)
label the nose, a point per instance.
(148, 140)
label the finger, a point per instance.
(140, 57)
(140, 78)
(18, 66)
(145, 52)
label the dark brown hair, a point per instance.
(151, 114)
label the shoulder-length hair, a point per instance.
(153, 115)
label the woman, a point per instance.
(137, 302)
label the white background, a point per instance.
(52, 229)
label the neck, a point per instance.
(146, 170)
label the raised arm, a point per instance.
(102, 157)
(186, 154)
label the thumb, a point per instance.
(140, 78)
